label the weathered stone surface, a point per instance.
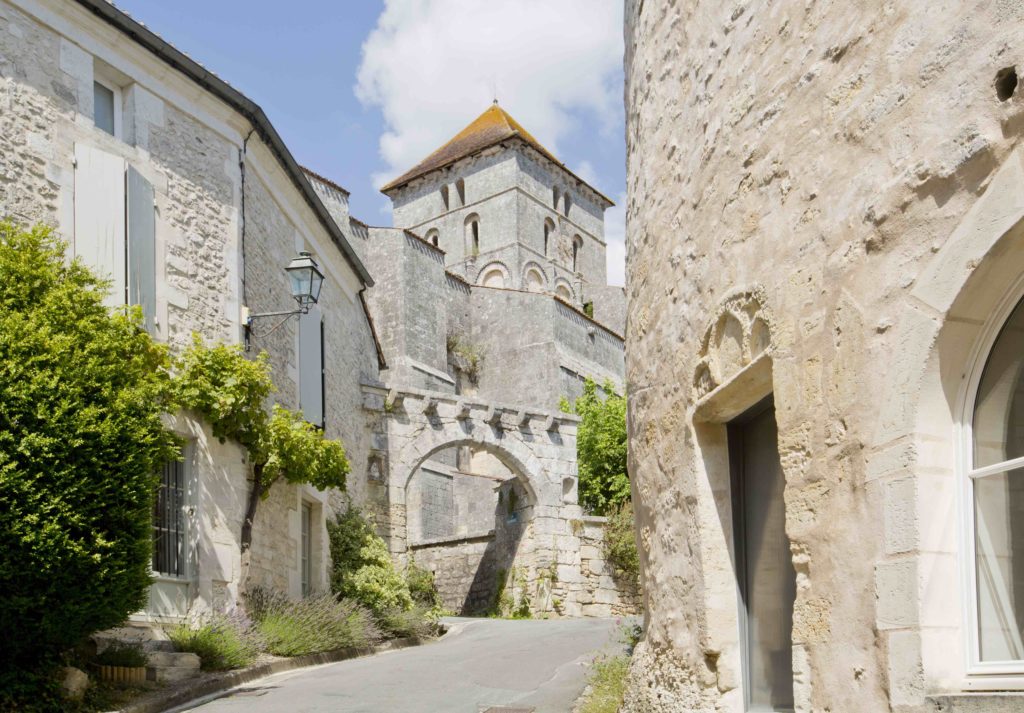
(73, 682)
(822, 203)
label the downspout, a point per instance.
(241, 170)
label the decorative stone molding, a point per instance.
(738, 334)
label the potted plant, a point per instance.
(122, 663)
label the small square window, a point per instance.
(103, 107)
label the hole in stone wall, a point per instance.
(1006, 83)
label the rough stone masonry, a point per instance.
(825, 206)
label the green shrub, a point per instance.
(362, 569)
(418, 621)
(82, 389)
(422, 587)
(119, 654)
(607, 682)
(620, 542)
(222, 642)
(601, 447)
(312, 625)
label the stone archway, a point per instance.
(537, 447)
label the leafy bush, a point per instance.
(620, 541)
(119, 654)
(362, 566)
(607, 681)
(308, 626)
(422, 587)
(601, 447)
(229, 391)
(221, 641)
(82, 389)
(418, 621)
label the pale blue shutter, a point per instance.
(142, 247)
(311, 394)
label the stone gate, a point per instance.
(538, 447)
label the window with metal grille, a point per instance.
(169, 522)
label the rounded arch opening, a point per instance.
(471, 227)
(494, 275)
(534, 279)
(563, 290)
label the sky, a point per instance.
(362, 90)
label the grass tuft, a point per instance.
(607, 682)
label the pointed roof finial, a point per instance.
(495, 101)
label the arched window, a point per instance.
(555, 195)
(444, 196)
(568, 202)
(460, 188)
(433, 237)
(533, 279)
(549, 229)
(473, 234)
(577, 245)
(563, 291)
(995, 499)
(493, 275)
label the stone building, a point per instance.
(491, 305)
(825, 273)
(162, 176)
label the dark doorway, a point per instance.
(764, 565)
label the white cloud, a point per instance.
(615, 237)
(432, 66)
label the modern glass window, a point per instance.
(104, 107)
(169, 522)
(995, 490)
(306, 547)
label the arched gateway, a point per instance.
(410, 427)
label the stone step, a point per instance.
(171, 666)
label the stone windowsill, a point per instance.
(981, 702)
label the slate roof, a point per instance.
(490, 128)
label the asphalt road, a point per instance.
(540, 664)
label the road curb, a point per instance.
(209, 688)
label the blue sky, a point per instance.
(361, 90)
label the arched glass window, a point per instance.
(996, 500)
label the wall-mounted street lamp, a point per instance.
(306, 281)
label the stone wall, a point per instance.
(188, 145)
(605, 591)
(822, 199)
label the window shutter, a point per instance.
(142, 247)
(311, 394)
(99, 216)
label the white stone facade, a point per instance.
(826, 205)
(219, 249)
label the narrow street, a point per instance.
(533, 665)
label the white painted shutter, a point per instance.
(99, 216)
(311, 393)
(142, 247)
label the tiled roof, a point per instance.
(492, 127)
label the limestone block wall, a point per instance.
(463, 571)
(604, 591)
(812, 191)
(188, 145)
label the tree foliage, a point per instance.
(82, 390)
(601, 447)
(230, 391)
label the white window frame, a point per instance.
(118, 106)
(995, 675)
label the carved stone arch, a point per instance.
(534, 277)
(564, 290)
(739, 332)
(489, 274)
